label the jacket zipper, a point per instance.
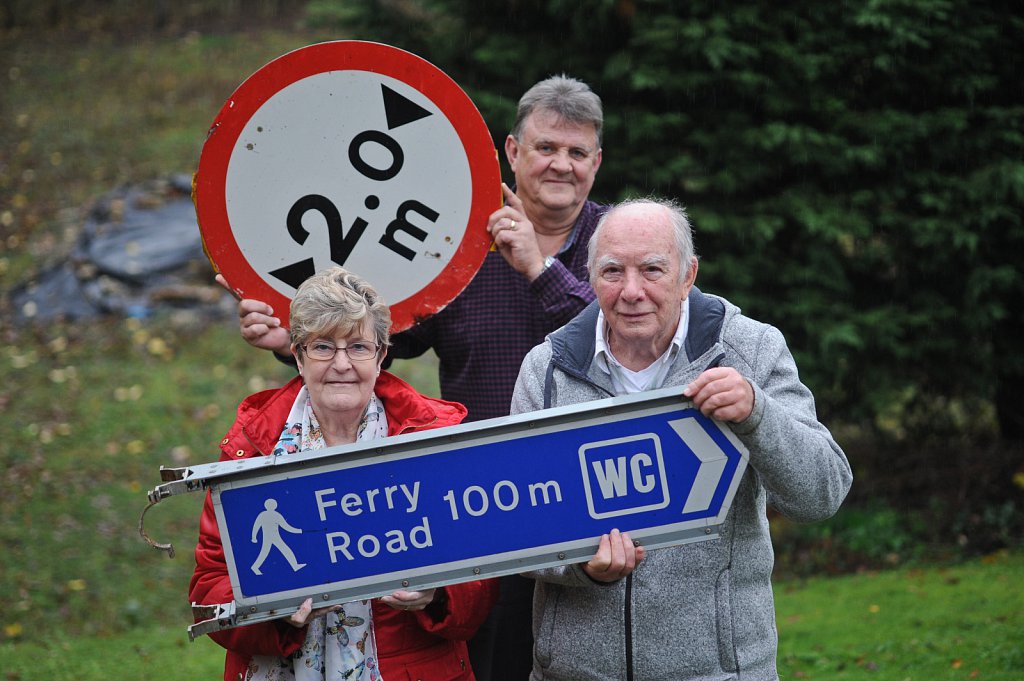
(410, 427)
(255, 446)
(629, 627)
(716, 361)
(628, 610)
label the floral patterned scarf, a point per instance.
(339, 645)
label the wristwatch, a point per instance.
(548, 261)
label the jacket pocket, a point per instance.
(723, 609)
(450, 666)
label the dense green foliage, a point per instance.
(855, 170)
(855, 175)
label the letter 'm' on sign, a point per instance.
(401, 224)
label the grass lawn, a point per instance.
(957, 622)
(144, 653)
(960, 622)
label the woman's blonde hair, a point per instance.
(337, 302)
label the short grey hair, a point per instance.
(681, 229)
(336, 301)
(571, 100)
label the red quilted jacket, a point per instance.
(426, 644)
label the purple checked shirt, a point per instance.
(483, 335)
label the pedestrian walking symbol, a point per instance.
(270, 522)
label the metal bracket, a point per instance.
(193, 479)
(218, 617)
(153, 499)
(179, 481)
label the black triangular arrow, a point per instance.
(295, 274)
(400, 110)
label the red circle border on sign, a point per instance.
(209, 184)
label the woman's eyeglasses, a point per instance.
(324, 350)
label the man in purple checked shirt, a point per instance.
(533, 283)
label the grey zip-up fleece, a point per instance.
(703, 610)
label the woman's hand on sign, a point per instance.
(306, 613)
(257, 323)
(409, 600)
(616, 557)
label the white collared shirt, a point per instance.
(625, 381)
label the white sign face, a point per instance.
(385, 200)
(353, 154)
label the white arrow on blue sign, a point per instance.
(473, 501)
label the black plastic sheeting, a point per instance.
(139, 252)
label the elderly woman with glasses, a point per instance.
(339, 333)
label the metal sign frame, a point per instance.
(223, 477)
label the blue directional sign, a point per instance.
(477, 500)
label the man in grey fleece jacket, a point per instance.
(704, 610)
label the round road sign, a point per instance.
(350, 153)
